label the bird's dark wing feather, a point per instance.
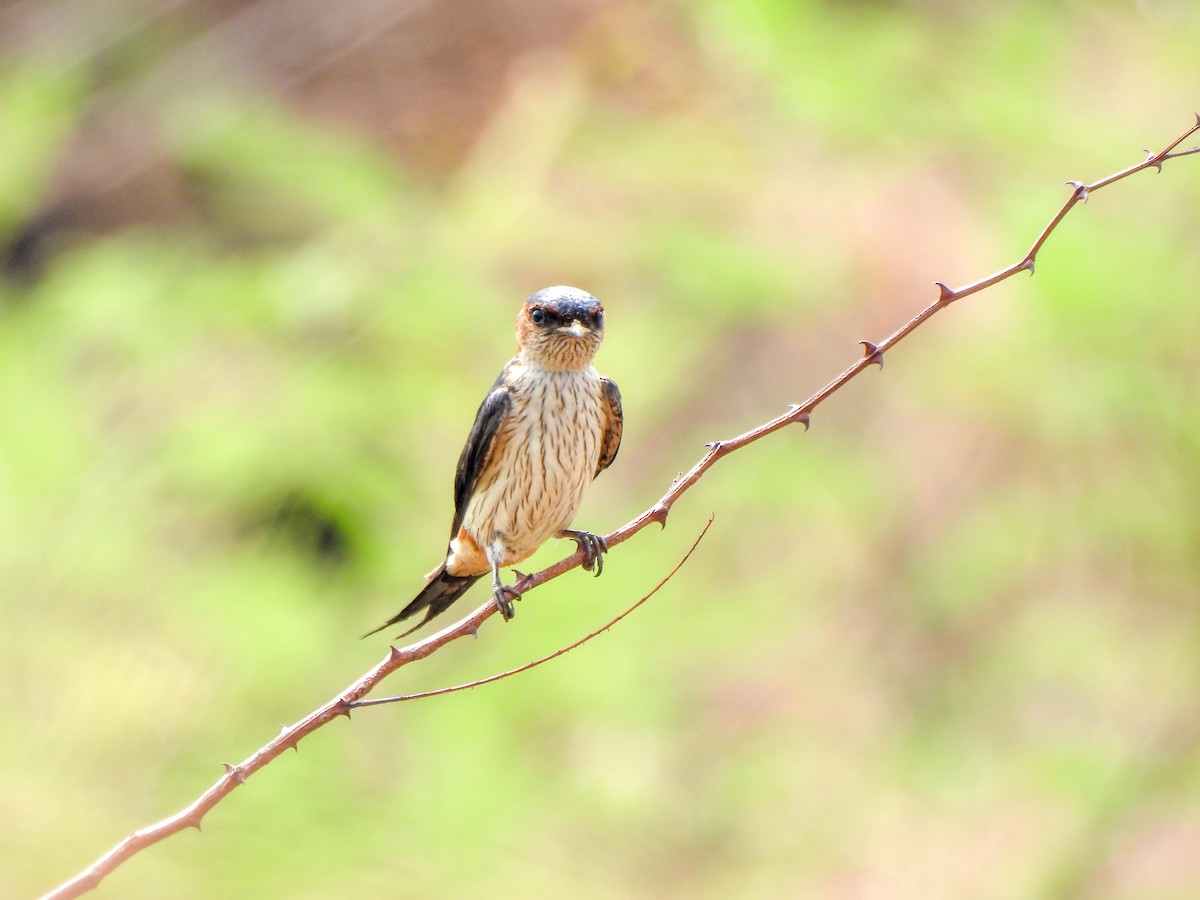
(478, 449)
(614, 423)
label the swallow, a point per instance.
(547, 428)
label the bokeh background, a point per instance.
(261, 259)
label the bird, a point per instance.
(549, 425)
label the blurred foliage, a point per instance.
(945, 644)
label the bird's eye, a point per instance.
(597, 318)
(536, 316)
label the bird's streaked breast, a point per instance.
(546, 454)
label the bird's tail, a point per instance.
(439, 592)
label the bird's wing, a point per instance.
(614, 422)
(481, 444)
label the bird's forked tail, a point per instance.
(439, 592)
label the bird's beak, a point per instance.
(577, 328)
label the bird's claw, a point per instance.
(593, 547)
(504, 595)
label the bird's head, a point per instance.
(560, 328)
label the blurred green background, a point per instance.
(261, 261)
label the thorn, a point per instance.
(193, 822)
(473, 632)
(1081, 190)
(283, 729)
(871, 352)
(802, 418)
(713, 446)
(393, 653)
(342, 708)
(236, 771)
(945, 295)
(1198, 120)
(1153, 157)
(659, 515)
(1027, 265)
(521, 576)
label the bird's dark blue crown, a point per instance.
(565, 303)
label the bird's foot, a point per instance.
(504, 595)
(593, 547)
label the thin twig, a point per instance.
(290, 736)
(379, 701)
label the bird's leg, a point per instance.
(593, 547)
(503, 594)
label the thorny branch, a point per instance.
(801, 413)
